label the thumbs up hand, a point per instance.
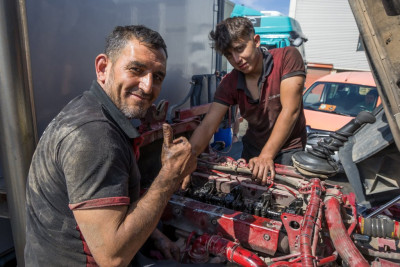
(177, 158)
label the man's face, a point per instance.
(134, 80)
(244, 54)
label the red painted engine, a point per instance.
(226, 216)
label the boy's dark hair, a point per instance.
(231, 30)
(118, 38)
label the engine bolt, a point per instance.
(243, 216)
(267, 237)
(177, 211)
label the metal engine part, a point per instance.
(289, 222)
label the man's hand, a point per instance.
(168, 248)
(185, 183)
(177, 158)
(260, 166)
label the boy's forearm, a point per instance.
(280, 134)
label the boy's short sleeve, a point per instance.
(226, 91)
(293, 64)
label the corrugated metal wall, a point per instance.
(332, 33)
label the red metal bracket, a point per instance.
(252, 232)
(292, 224)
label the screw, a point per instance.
(267, 237)
(268, 225)
(177, 211)
(243, 217)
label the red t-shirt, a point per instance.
(261, 115)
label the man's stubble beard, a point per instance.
(137, 113)
(130, 112)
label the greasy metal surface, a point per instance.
(3, 207)
(379, 32)
(219, 246)
(310, 224)
(292, 225)
(383, 207)
(17, 125)
(372, 138)
(342, 241)
(380, 174)
(288, 237)
(306, 233)
(251, 231)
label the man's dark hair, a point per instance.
(231, 30)
(119, 37)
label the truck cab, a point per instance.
(275, 29)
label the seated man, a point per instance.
(83, 204)
(370, 100)
(367, 103)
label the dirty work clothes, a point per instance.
(83, 160)
(261, 114)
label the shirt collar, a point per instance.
(119, 118)
(266, 70)
(268, 62)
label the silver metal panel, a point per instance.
(6, 243)
(66, 35)
(17, 135)
(378, 30)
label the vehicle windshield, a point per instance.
(340, 98)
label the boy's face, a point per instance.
(243, 55)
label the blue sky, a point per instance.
(277, 5)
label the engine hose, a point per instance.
(340, 238)
(391, 255)
(329, 259)
(317, 229)
(308, 224)
(222, 247)
(286, 264)
(377, 227)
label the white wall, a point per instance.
(331, 31)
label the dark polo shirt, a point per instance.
(84, 160)
(261, 114)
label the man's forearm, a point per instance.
(177, 161)
(142, 218)
(115, 234)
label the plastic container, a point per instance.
(224, 135)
